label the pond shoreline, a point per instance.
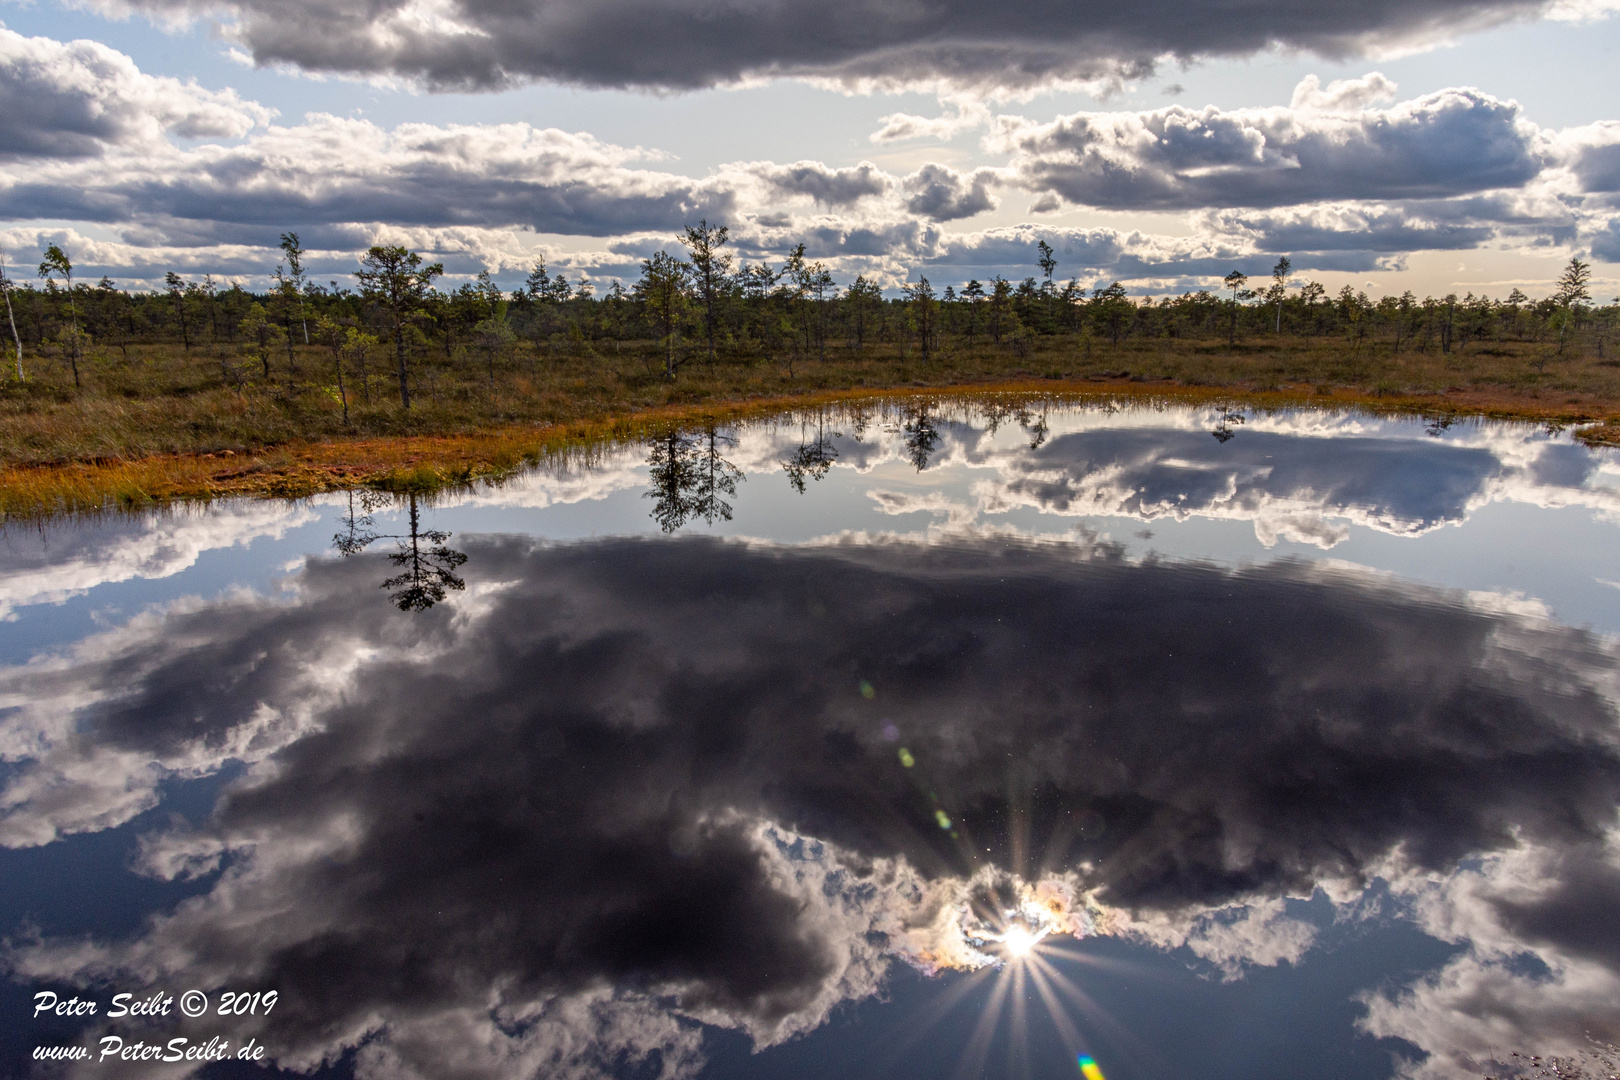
(426, 463)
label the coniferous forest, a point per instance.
(96, 371)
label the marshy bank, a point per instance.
(157, 423)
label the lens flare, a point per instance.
(1088, 1068)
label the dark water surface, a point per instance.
(945, 741)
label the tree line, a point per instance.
(697, 303)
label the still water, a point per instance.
(919, 739)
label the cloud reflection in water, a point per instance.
(617, 783)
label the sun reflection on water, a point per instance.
(1018, 941)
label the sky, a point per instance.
(1438, 146)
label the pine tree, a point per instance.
(395, 279)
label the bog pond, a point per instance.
(936, 739)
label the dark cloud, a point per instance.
(1450, 143)
(555, 783)
(1594, 156)
(1606, 242)
(1355, 228)
(331, 171)
(877, 239)
(940, 193)
(1075, 249)
(688, 44)
(574, 208)
(827, 186)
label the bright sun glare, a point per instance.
(1018, 941)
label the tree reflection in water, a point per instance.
(358, 532)
(690, 479)
(429, 565)
(920, 436)
(1035, 428)
(814, 456)
(1223, 426)
(1033, 423)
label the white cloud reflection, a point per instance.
(62, 563)
(1302, 476)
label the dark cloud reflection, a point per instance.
(622, 773)
(1285, 483)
